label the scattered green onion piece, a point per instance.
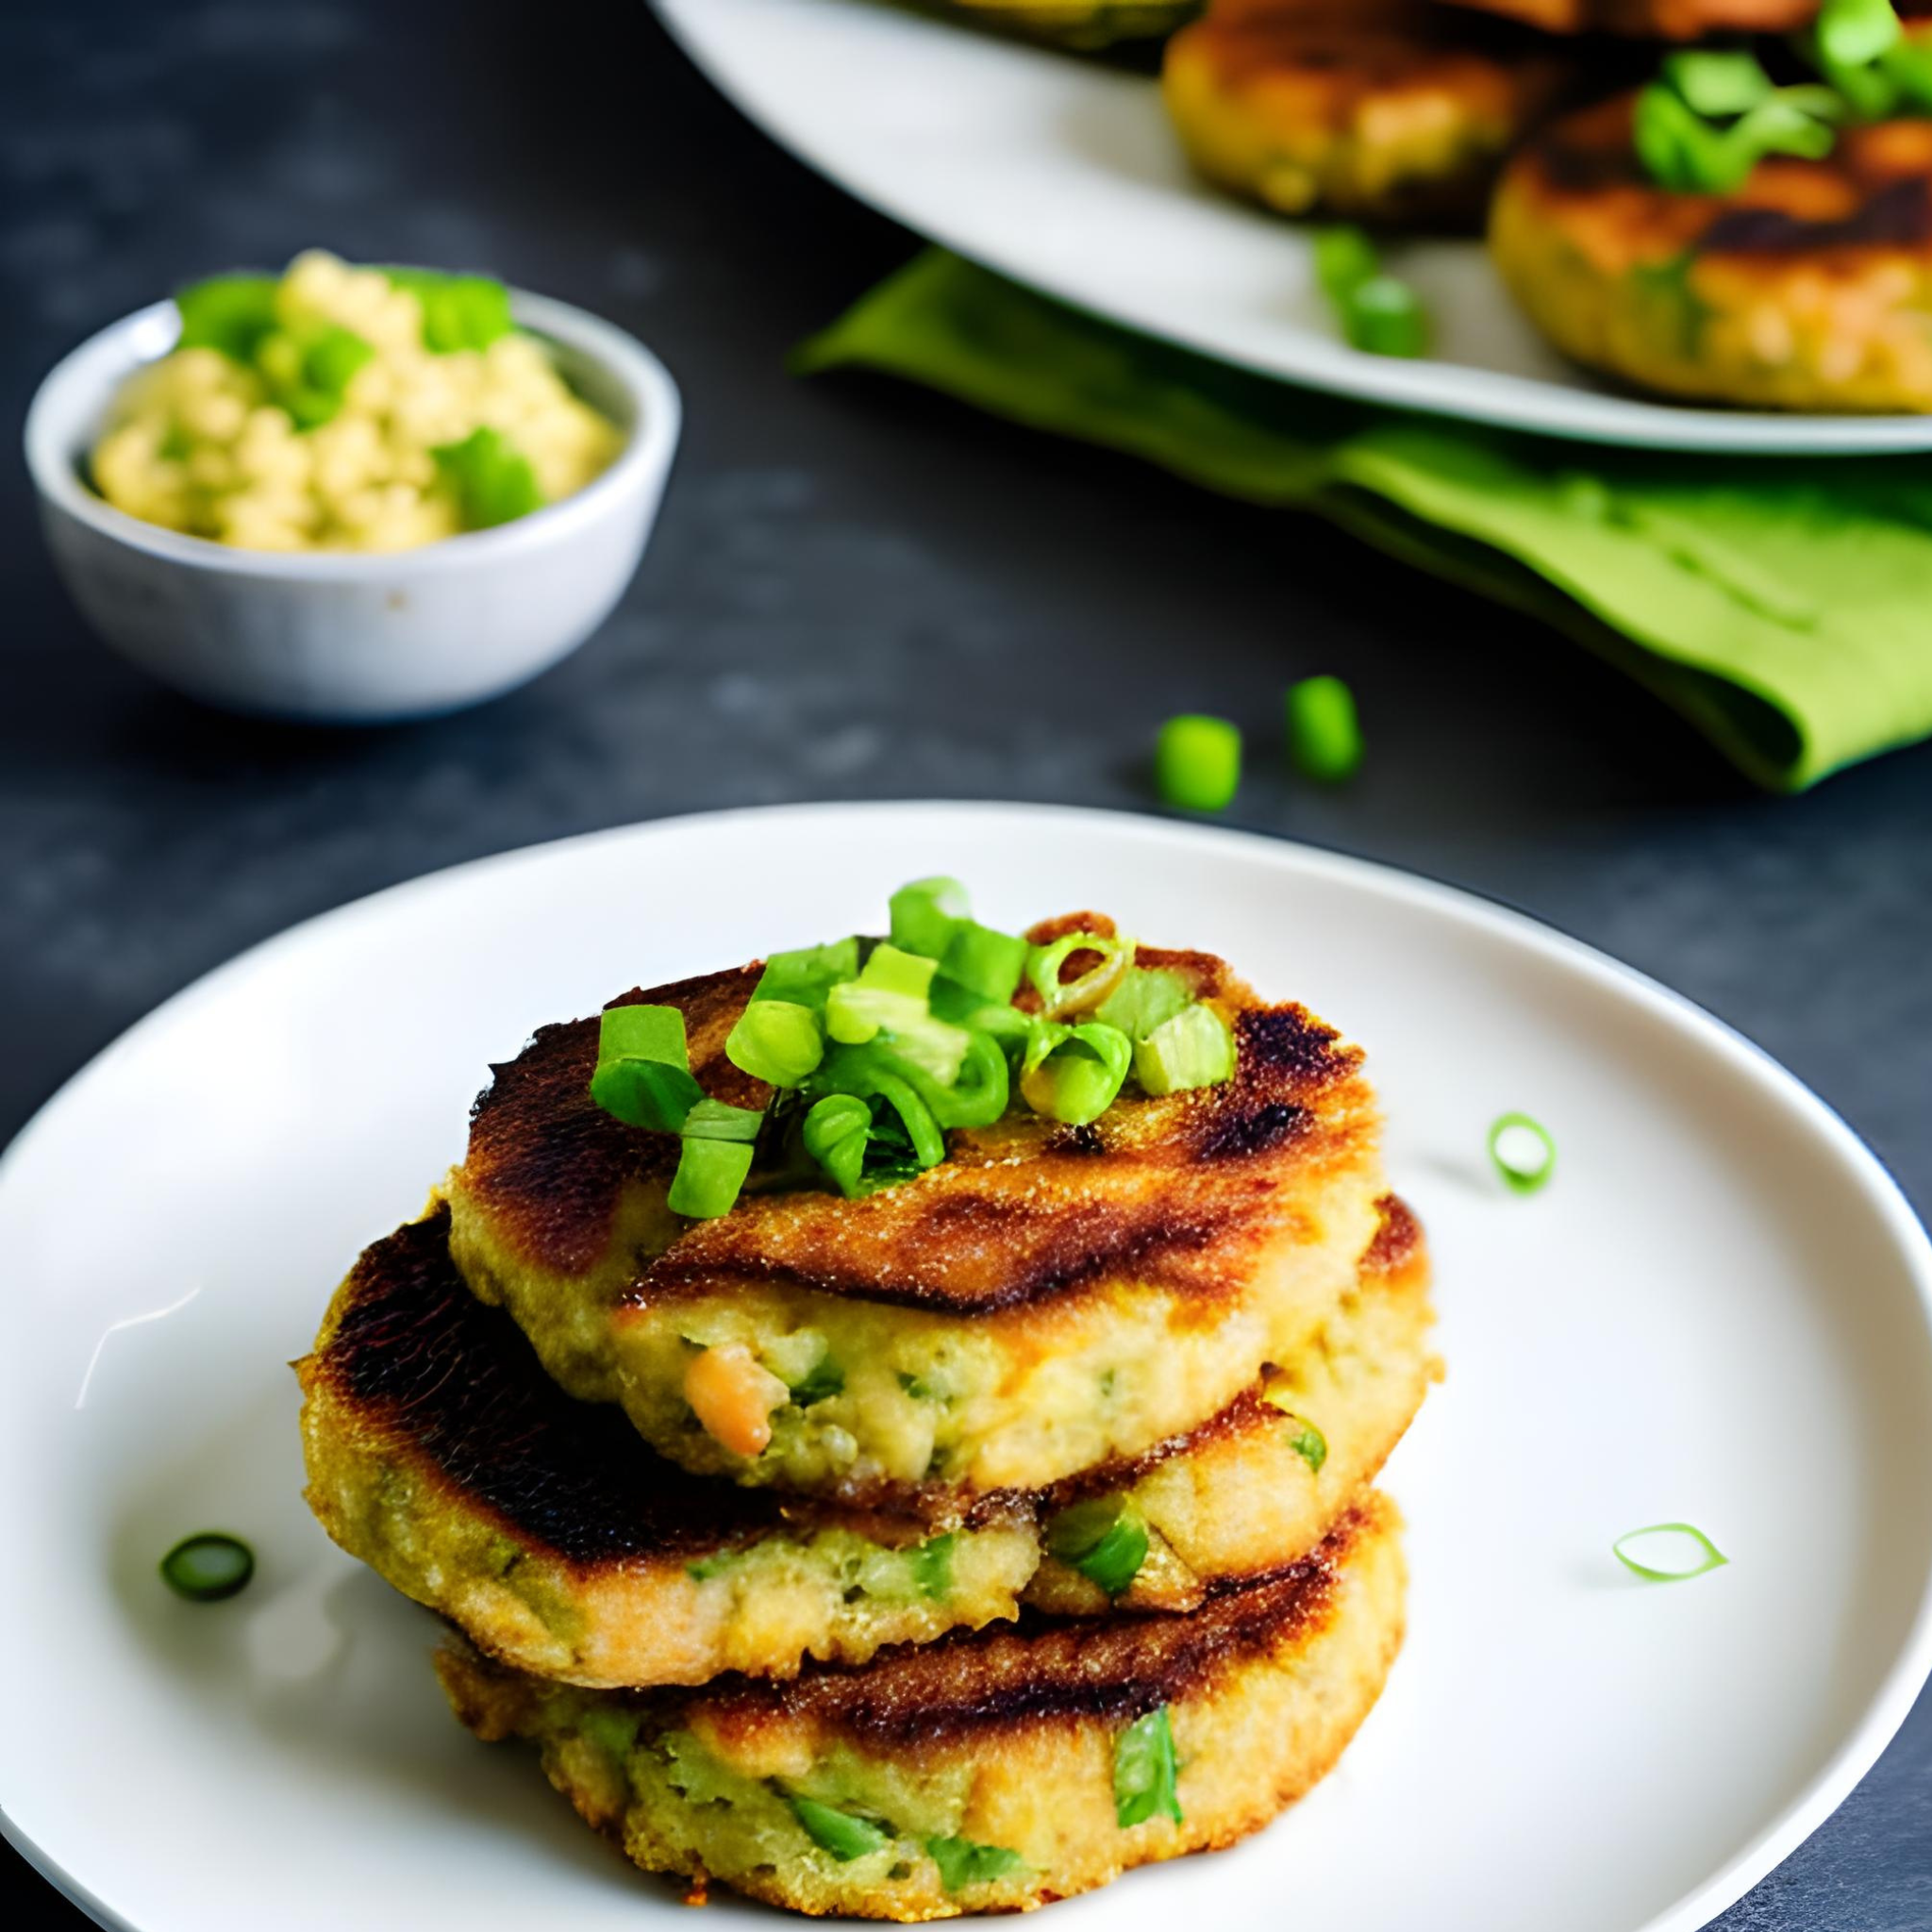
(643, 1068)
(491, 480)
(931, 1565)
(1144, 998)
(1716, 83)
(1344, 259)
(1103, 1539)
(1193, 1049)
(709, 1177)
(1197, 762)
(1853, 33)
(229, 314)
(1072, 1074)
(805, 976)
(1522, 1152)
(1324, 737)
(837, 1832)
(926, 913)
(963, 1863)
(835, 1134)
(1061, 998)
(778, 1041)
(1709, 1556)
(1384, 316)
(718, 1119)
(984, 961)
(208, 1568)
(1145, 1774)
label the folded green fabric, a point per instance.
(1783, 605)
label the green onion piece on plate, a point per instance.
(1324, 737)
(1103, 1539)
(718, 1119)
(1345, 258)
(1668, 1553)
(643, 1068)
(1384, 316)
(1522, 1152)
(710, 1175)
(835, 1134)
(1146, 1772)
(778, 1041)
(208, 1568)
(1144, 998)
(985, 962)
(1193, 1049)
(837, 1832)
(807, 975)
(1197, 762)
(1059, 999)
(963, 1863)
(926, 913)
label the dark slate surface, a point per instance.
(855, 591)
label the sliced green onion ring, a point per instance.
(643, 1075)
(1146, 997)
(1522, 1152)
(925, 914)
(1197, 762)
(710, 1175)
(1706, 1556)
(209, 1566)
(1058, 998)
(1074, 1074)
(984, 961)
(779, 1042)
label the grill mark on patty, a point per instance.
(1047, 1670)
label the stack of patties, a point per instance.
(893, 1427)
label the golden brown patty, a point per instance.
(439, 1454)
(1656, 20)
(1382, 111)
(1810, 288)
(984, 1772)
(1046, 1298)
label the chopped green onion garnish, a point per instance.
(1325, 737)
(1717, 83)
(1309, 1443)
(307, 371)
(1344, 259)
(1679, 1550)
(228, 313)
(1074, 1074)
(977, 1098)
(1522, 1152)
(778, 1041)
(458, 312)
(492, 481)
(1853, 33)
(1059, 998)
(837, 1832)
(643, 1068)
(1197, 762)
(710, 1175)
(1145, 997)
(1193, 1049)
(717, 1120)
(963, 1863)
(985, 962)
(807, 975)
(1384, 316)
(835, 1134)
(926, 913)
(209, 1566)
(820, 1383)
(1145, 1774)
(931, 1565)
(1103, 1539)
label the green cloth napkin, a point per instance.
(1783, 605)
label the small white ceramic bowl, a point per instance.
(352, 638)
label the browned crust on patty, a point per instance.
(1020, 1212)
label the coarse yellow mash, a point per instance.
(313, 413)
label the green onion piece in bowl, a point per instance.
(1103, 1539)
(1193, 1049)
(837, 1832)
(1694, 1553)
(208, 1568)
(926, 913)
(491, 480)
(1146, 1772)
(1522, 1152)
(643, 1068)
(1325, 736)
(1197, 762)
(710, 1175)
(778, 1041)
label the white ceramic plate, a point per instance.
(1718, 1311)
(1063, 174)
